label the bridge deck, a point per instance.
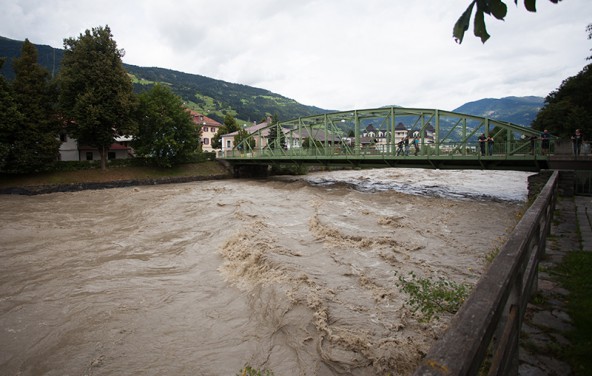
(525, 162)
(376, 138)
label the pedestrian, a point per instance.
(490, 145)
(416, 144)
(482, 139)
(406, 144)
(577, 140)
(400, 147)
(532, 139)
(545, 140)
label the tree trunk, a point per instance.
(103, 158)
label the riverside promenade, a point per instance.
(546, 320)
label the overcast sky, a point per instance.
(334, 54)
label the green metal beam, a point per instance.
(454, 134)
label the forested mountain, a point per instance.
(216, 98)
(517, 110)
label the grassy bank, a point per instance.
(209, 168)
(575, 274)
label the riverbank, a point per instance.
(114, 177)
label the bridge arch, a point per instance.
(370, 137)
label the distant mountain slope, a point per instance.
(214, 98)
(517, 110)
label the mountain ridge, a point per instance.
(216, 98)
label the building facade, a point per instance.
(209, 127)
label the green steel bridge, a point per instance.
(370, 138)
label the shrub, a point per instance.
(432, 297)
(248, 371)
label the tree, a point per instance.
(96, 92)
(276, 138)
(310, 142)
(495, 8)
(216, 141)
(34, 142)
(569, 107)
(167, 135)
(243, 142)
(10, 118)
(230, 125)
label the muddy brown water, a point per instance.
(205, 278)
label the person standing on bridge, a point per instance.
(482, 139)
(545, 139)
(577, 140)
(533, 139)
(490, 143)
(400, 147)
(406, 144)
(416, 144)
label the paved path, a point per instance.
(546, 319)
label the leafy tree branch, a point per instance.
(496, 8)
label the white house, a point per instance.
(70, 150)
(260, 142)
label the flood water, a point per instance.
(294, 275)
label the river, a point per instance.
(297, 275)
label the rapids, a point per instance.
(294, 275)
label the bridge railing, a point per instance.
(518, 148)
(487, 326)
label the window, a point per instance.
(206, 141)
(111, 155)
(228, 146)
(89, 155)
(205, 129)
(63, 137)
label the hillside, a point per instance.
(216, 98)
(517, 110)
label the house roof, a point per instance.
(252, 129)
(400, 127)
(319, 136)
(203, 120)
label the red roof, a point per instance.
(201, 119)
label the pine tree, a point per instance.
(35, 143)
(96, 92)
(10, 118)
(276, 138)
(230, 125)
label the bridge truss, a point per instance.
(370, 138)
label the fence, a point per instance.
(487, 327)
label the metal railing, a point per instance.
(487, 327)
(450, 149)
